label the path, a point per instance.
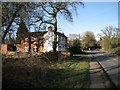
(95, 76)
(0, 72)
(110, 65)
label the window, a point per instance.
(26, 39)
(26, 49)
(35, 39)
(42, 37)
(25, 43)
(59, 46)
(35, 42)
(35, 49)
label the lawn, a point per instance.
(35, 73)
(71, 74)
(79, 55)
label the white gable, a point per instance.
(48, 43)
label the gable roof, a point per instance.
(41, 33)
(61, 34)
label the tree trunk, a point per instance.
(29, 43)
(55, 35)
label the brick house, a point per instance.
(4, 48)
(42, 41)
(33, 40)
(7, 47)
(39, 42)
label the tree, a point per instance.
(22, 30)
(110, 38)
(39, 12)
(109, 32)
(75, 46)
(88, 40)
(10, 16)
(11, 13)
(50, 12)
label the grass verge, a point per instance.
(35, 73)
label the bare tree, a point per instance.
(10, 16)
(110, 37)
(50, 11)
(110, 32)
(43, 12)
(11, 12)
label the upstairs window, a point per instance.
(35, 39)
(26, 39)
(26, 49)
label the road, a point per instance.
(111, 66)
(109, 62)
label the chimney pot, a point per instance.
(50, 28)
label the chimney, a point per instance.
(50, 28)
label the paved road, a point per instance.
(109, 63)
(112, 66)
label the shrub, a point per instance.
(50, 56)
(115, 50)
(55, 56)
(75, 50)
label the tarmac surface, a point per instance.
(95, 76)
(110, 64)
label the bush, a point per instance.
(50, 56)
(75, 50)
(55, 56)
(115, 50)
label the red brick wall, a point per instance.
(4, 48)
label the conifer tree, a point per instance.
(22, 30)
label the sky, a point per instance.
(94, 17)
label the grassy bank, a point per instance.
(36, 73)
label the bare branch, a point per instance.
(46, 11)
(18, 7)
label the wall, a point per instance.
(49, 38)
(48, 44)
(23, 45)
(4, 48)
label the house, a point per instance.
(3, 48)
(73, 36)
(32, 41)
(39, 42)
(49, 39)
(42, 41)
